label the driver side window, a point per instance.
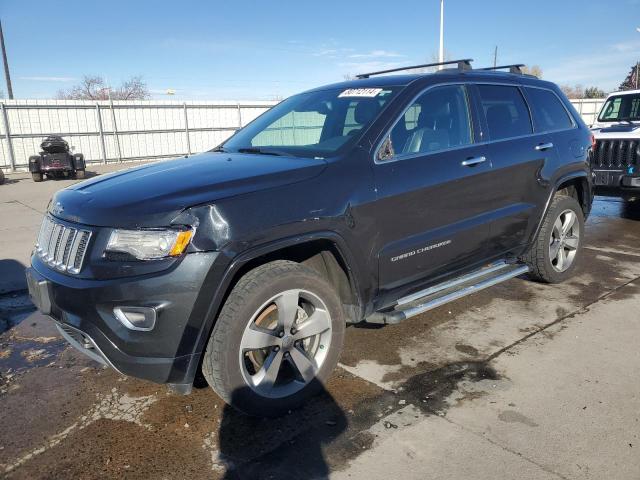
(438, 120)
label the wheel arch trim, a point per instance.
(581, 175)
(256, 252)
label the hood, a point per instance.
(152, 195)
(616, 130)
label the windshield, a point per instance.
(313, 124)
(621, 108)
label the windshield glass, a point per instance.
(621, 108)
(313, 124)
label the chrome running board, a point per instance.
(449, 291)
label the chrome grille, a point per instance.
(62, 247)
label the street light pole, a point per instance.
(6, 65)
(441, 53)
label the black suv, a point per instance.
(371, 200)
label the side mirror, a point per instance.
(386, 150)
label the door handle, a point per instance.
(470, 162)
(544, 146)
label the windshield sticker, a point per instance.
(360, 92)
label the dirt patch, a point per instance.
(118, 449)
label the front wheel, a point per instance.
(554, 254)
(277, 339)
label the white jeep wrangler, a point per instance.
(615, 159)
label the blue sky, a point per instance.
(239, 50)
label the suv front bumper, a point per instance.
(83, 311)
(615, 183)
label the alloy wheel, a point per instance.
(564, 241)
(285, 343)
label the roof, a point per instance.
(625, 92)
(446, 75)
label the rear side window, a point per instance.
(548, 112)
(505, 110)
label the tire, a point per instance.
(37, 176)
(80, 173)
(545, 267)
(230, 373)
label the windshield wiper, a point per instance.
(258, 151)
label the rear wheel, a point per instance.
(37, 176)
(553, 256)
(276, 340)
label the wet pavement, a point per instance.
(502, 384)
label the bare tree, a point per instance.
(576, 91)
(534, 70)
(435, 58)
(94, 87)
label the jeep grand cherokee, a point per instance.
(371, 200)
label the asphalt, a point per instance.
(522, 380)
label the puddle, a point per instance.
(18, 355)
(14, 307)
(21, 353)
(615, 207)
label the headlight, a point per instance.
(149, 244)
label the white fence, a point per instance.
(111, 132)
(588, 108)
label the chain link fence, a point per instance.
(106, 132)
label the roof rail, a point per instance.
(464, 64)
(515, 68)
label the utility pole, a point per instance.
(495, 57)
(441, 54)
(6, 64)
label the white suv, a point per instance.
(615, 159)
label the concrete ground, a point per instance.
(520, 381)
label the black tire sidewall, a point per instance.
(241, 395)
(560, 204)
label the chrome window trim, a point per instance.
(486, 142)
